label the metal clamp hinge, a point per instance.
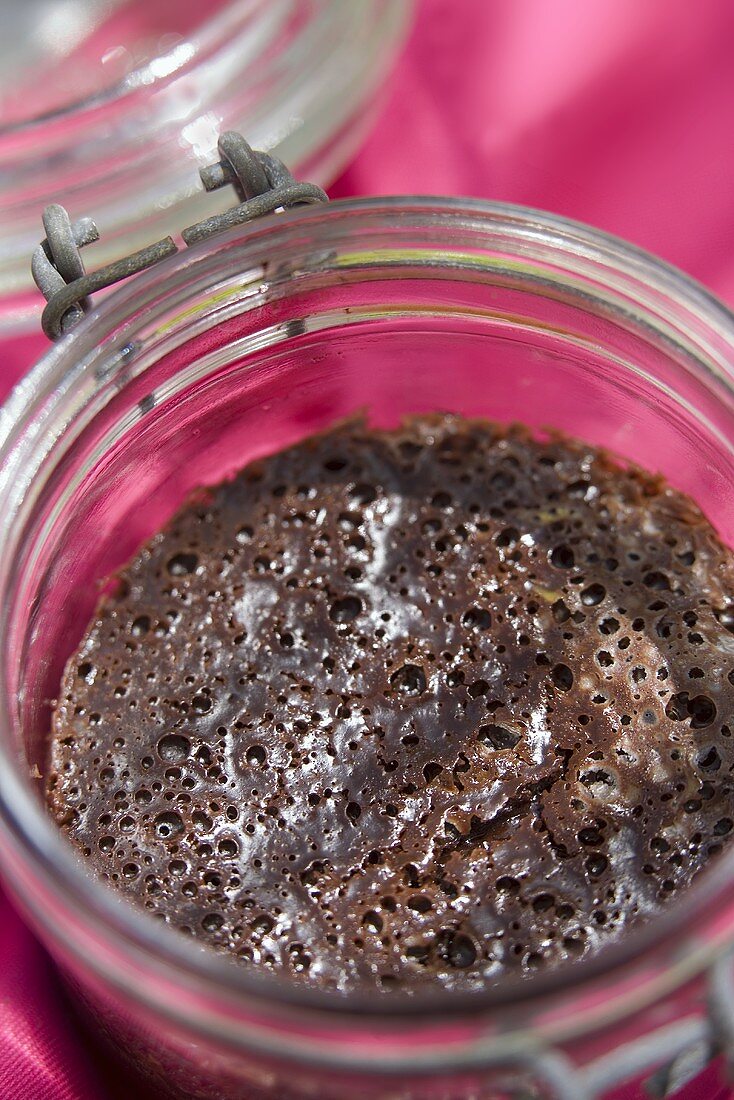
(263, 185)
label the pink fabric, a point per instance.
(616, 112)
(42, 1057)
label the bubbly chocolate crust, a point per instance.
(435, 705)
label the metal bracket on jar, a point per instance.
(263, 185)
(661, 1062)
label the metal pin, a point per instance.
(263, 185)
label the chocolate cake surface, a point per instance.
(439, 704)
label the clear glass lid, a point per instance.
(90, 49)
(110, 106)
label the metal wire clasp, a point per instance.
(263, 185)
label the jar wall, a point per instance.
(173, 1061)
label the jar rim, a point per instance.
(30, 832)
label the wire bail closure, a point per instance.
(263, 185)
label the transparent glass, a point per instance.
(234, 349)
(111, 107)
(86, 49)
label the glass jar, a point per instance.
(238, 347)
(119, 126)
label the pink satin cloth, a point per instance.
(617, 113)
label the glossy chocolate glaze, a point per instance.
(432, 705)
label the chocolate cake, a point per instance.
(432, 705)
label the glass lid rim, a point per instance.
(202, 38)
